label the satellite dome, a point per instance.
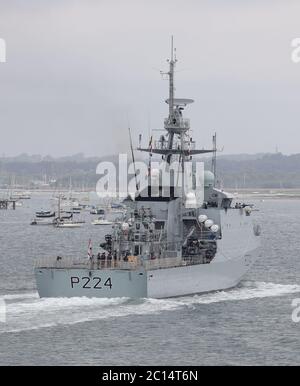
(214, 228)
(202, 218)
(208, 223)
(209, 178)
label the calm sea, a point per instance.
(248, 325)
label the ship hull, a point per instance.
(236, 253)
(196, 279)
(156, 283)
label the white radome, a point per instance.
(208, 223)
(214, 228)
(202, 218)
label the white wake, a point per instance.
(28, 312)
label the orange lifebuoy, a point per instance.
(132, 259)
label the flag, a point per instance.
(90, 249)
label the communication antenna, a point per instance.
(133, 160)
(214, 157)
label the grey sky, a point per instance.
(77, 71)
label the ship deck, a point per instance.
(135, 264)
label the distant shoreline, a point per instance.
(266, 193)
(237, 194)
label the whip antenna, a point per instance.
(132, 155)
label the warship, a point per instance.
(170, 242)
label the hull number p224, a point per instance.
(86, 282)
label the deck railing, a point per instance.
(85, 263)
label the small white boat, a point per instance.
(68, 225)
(117, 211)
(97, 211)
(21, 195)
(102, 221)
(65, 222)
(45, 214)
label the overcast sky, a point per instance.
(78, 72)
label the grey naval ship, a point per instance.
(166, 244)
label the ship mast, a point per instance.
(214, 157)
(175, 124)
(171, 81)
(171, 118)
